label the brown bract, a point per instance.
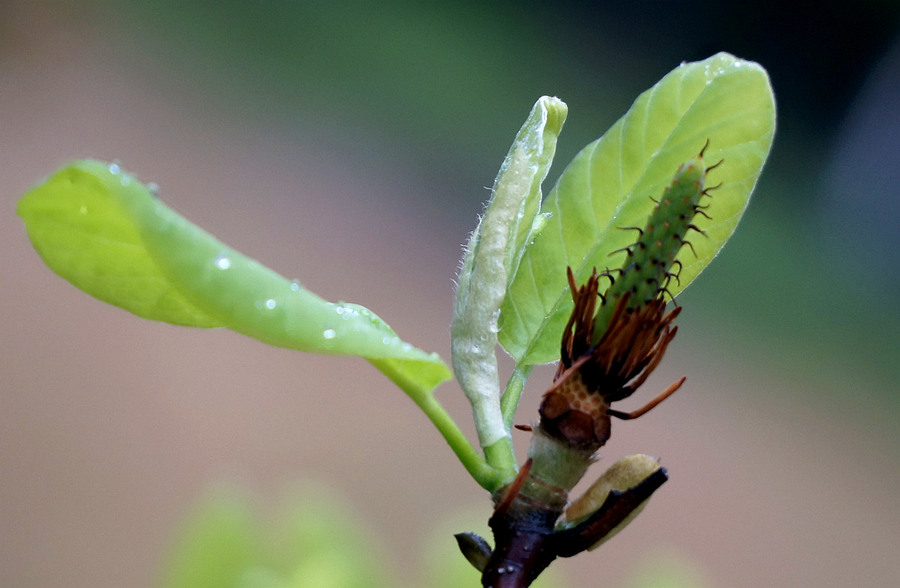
(598, 369)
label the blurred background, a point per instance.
(350, 144)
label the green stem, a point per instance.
(500, 455)
(502, 459)
(488, 476)
(509, 402)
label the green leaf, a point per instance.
(492, 253)
(106, 233)
(610, 182)
(78, 222)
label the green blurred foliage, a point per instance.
(666, 569)
(313, 539)
(443, 83)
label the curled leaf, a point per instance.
(492, 253)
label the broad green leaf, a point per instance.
(493, 251)
(106, 233)
(610, 183)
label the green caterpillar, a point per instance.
(650, 261)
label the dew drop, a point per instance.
(271, 304)
(345, 312)
(114, 168)
(154, 189)
(494, 325)
(222, 261)
(295, 286)
(329, 333)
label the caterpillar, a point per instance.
(605, 356)
(651, 260)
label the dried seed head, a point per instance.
(592, 375)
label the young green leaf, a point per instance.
(610, 183)
(493, 252)
(106, 233)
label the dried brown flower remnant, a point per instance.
(593, 373)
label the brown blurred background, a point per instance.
(347, 145)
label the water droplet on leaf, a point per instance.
(222, 261)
